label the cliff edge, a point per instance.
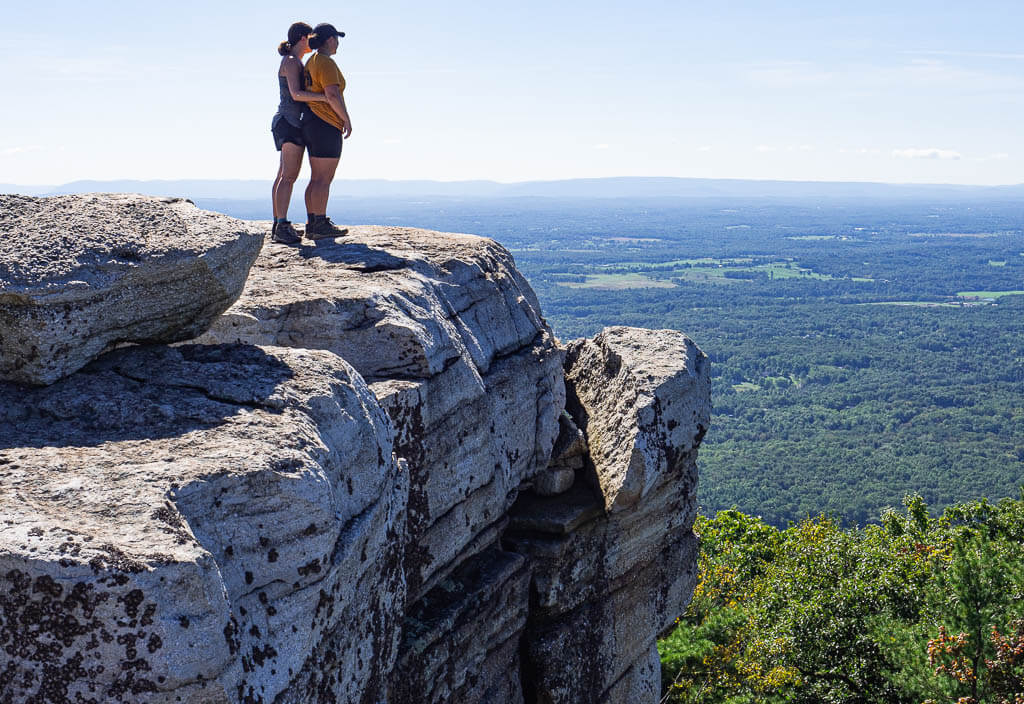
(377, 477)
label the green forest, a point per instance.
(859, 353)
(844, 409)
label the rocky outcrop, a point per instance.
(449, 336)
(614, 560)
(359, 485)
(199, 524)
(643, 400)
(80, 274)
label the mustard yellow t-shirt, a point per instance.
(321, 71)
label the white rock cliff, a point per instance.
(363, 483)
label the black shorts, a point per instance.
(322, 138)
(285, 131)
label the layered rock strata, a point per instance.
(614, 560)
(449, 336)
(80, 274)
(249, 518)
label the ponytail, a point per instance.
(295, 34)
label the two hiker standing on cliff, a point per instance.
(312, 115)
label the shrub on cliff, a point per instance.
(913, 609)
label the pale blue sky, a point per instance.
(899, 91)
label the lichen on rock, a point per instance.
(190, 522)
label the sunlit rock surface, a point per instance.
(449, 336)
(79, 274)
(198, 524)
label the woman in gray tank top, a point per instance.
(286, 127)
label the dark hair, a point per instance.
(321, 33)
(295, 34)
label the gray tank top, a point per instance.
(288, 109)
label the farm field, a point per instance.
(669, 274)
(617, 282)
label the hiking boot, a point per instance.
(284, 233)
(322, 227)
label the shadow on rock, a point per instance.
(141, 393)
(355, 255)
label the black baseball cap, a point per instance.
(325, 31)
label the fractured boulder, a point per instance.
(643, 399)
(614, 558)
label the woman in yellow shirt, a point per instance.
(324, 126)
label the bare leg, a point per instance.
(319, 189)
(291, 162)
(273, 189)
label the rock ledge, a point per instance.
(80, 274)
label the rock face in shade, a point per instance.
(199, 524)
(360, 485)
(567, 458)
(614, 559)
(460, 642)
(80, 274)
(450, 338)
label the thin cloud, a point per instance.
(769, 148)
(1000, 156)
(916, 71)
(921, 73)
(705, 148)
(601, 146)
(12, 151)
(414, 72)
(968, 54)
(945, 154)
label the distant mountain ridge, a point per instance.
(621, 187)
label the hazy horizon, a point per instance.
(499, 182)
